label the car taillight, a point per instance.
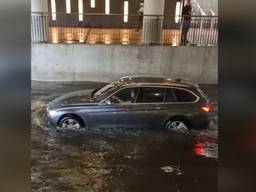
(206, 107)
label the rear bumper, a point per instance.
(200, 121)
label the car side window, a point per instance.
(127, 95)
(170, 95)
(184, 96)
(151, 95)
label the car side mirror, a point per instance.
(107, 102)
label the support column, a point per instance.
(39, 21)
(152, 21)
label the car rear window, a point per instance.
(170, 95)
(151, 95)
(184, 96)
(179, 95)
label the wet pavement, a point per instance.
(117, 160)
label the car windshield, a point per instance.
(105, 89)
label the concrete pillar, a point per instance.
(39, 21)
(152, 21)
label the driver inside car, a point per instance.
(120, 98)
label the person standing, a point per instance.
(140, 13)
(186, 19)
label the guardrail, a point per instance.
(111, 29)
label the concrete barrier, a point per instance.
(104, 63)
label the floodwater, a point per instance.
(117, 160)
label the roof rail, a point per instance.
(178, 80)
(154, 76)
(134, 76)
(186, 81)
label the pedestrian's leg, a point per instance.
(141, 22)
(182, 41)
(138, 23)
(186, 31)
(182, 36)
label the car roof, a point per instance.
(145, 80)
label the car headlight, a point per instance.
(52, 112)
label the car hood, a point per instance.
(76, 98)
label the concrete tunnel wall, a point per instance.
(105, 63)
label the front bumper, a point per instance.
(51, 117)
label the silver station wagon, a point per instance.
(133, 102)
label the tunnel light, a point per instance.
(53, 7)
(125, 36)
(92, 3)
(55, 35)
(107, 7)
(69, 38)
(177, 12)
(68, 6)
(81, 37)
(107, 38)
(126, 10)
(80, 10)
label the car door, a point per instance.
(117, 110)
(151, 109)
(126, 108)
(157, 104)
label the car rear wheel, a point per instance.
(177, 124)
(70, 122)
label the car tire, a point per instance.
(177, 124)
(70, 122)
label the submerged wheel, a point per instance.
(71, 122)
(177, 124)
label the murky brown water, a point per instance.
(119, 160)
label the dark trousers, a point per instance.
(140, 21)
(184, 30)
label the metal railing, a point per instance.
(111, 29)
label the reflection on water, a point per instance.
(171, 169)
(120, 160)
(206, 142)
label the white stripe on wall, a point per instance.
(53, 8)
(107, 7)
(80, 10)
(126, 11)
(68, 6)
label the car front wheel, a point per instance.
(70, 122)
